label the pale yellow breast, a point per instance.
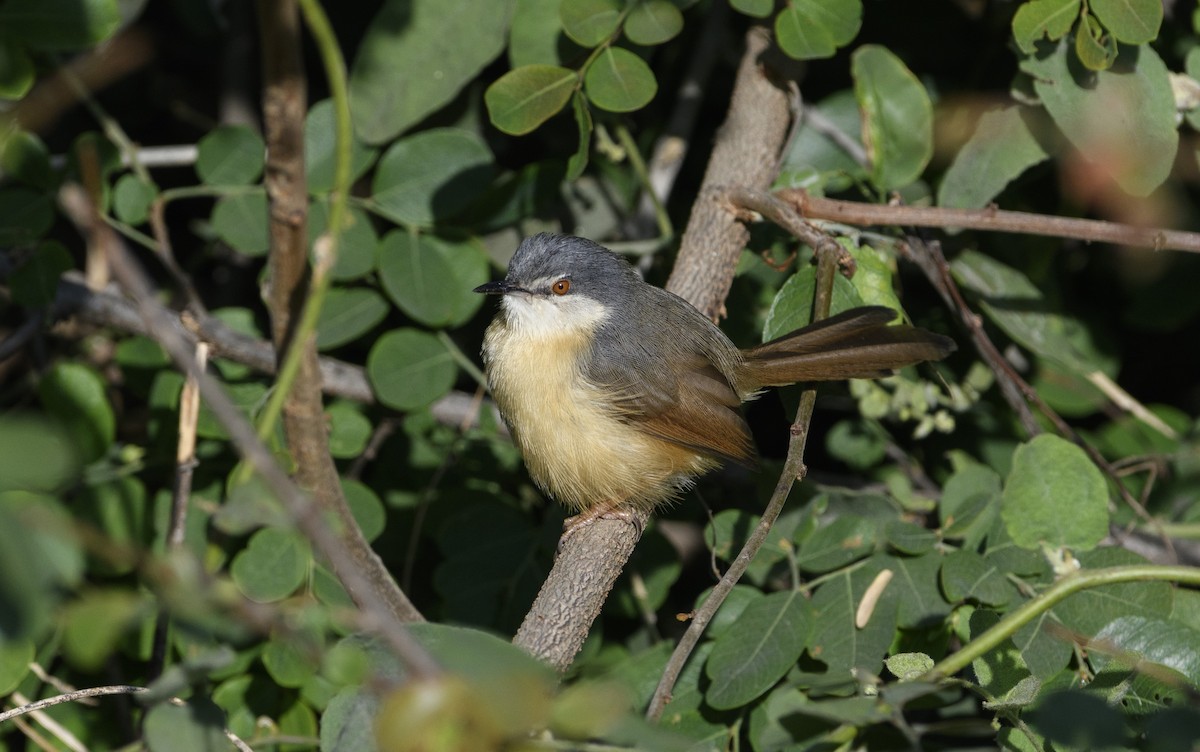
(575, 451)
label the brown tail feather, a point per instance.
(854, 344)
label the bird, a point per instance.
(619, 394)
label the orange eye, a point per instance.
(561, 287)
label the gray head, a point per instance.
(559, 282)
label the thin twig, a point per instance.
(116, 689)
(793, 471)
(991, 219)
(56, 729)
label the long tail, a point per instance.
(855, 344)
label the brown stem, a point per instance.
(284, 102)
(991, 218)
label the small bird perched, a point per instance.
(619, 394)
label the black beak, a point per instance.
(499, 287)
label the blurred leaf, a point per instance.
(1002, 147)
(578, 161)
(348, 313)
(524, 98)
(652, 22)
(320, 147)
(240, 220)
(431, 175)
(1078, 720)
(1123, 118)
(431, 279)
(349, 721)
(855, 443)
(15, 657)
(132, 197)
(120, 512)
(589, 22)
(198, 726)
(78, 398)
(25, 215)
(349, 430)
(24, 157)
(741, 669)
(809, 29)
(817, 162)
(535, 33)
(438, 46)
(1043, 19)
(1054, 496)
(366, 507)
(792, 307)
(35, 454)
(897, 116)
(291, 659)
(248, 397)
(230, 155)
(356, 246)
(59, 24)
(96, 622)
(273, 564)
(409, 368)
(34, 284)
(40, 557)
(16, 69)
(1130, 21)
(755, 8)
(619, 81)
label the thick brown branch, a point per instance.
(992, 219)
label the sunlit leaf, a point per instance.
(619, 81)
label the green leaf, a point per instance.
(35, 283)
(812, 29)
(24, 157)
(792, 307)
(1042, 648)
(367, 508)
(1155, 640)
(357, 244)
(910, 538)
(1019, 308)
(1094, 48)
(240, 221)
(1088, 611)
(1123, 119)
(198, 726)
(818, 162)
(846, 539)
(349, 430)
(1078, 720)
(348, 313)
(35, 454)
(1002, 147)
(272, 565)
(78, 398)
(40, 555)
(1130, 21)
(410, 369)
(349, 721)
(763, 645)
(754, 8)
(320, 147)
(1043, 19)
(837, 641)
(535, 34)
(230, 155)
(1054, 496)
(731, 608)
(968, 576)
(291, 659)
(430, 279)
(59, 24)
(1001, 670)
(897, 116)
(524, 98)
(619, 81)
(856, 443)
(590, 22)
(908, 666)
(431, 175)
(437, 46)
(25, 215)
(132, 197)
(653, 22)
(96, 622)
(118, 510)
(578, 161)
(16, 70)
(15, 657)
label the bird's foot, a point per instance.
(606, 511)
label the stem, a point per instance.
(1072, 583)
(665, 230)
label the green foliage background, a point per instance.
(477, 122)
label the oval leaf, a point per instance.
(1054, 496)
(897, 116)
(764, 643)
(230, 155)
(272, 565)
(240, 221)
(619, 81)
(132, 197)
(320, 143)
(431, 175)
(1043, 19)
(429, 279)
(590, 22)
(410, 369)
(1130, 21)
(348, 313)
(76, 396)
(812, 29)
(653, 22)
(792, 307)
(1002, 147)
(526, 97)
